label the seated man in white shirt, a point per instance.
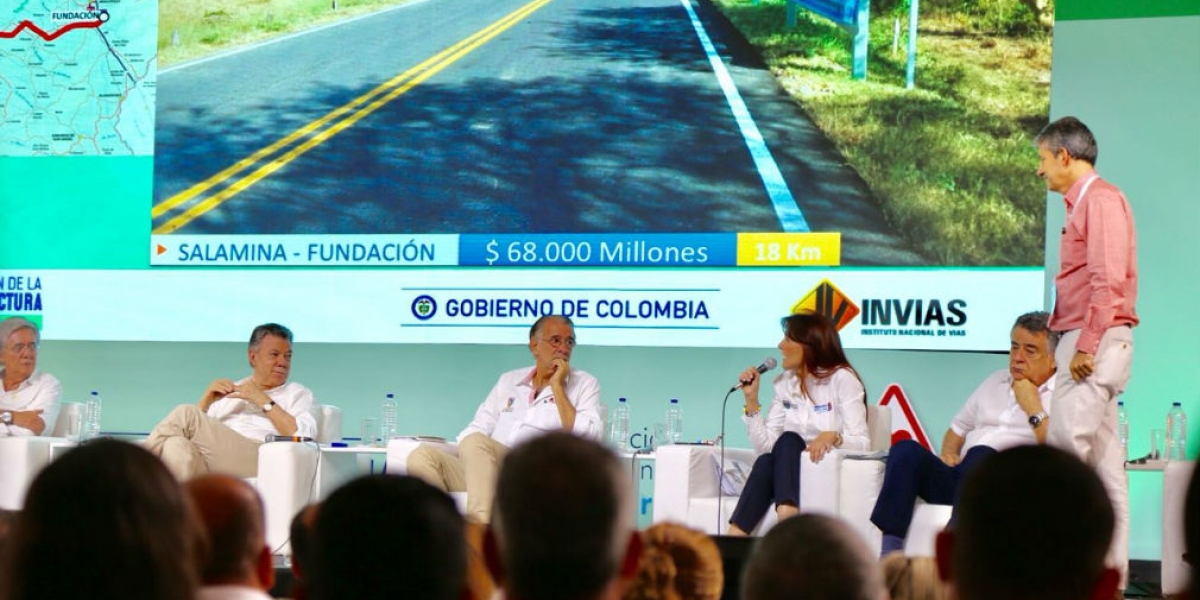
(222, 432)
(1008, 409)
(523, 404)
(29, 398)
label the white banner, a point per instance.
(931, 309)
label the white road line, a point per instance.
(786, 207)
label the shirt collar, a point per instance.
(1072, 195)
(20, 386)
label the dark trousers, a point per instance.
(775, 479)
(912, 472)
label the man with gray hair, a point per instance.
(222, 432)
(1008, 409)
(812, 557)
(1095, 294)
(524, 403)
(28, 398)
(564, 522)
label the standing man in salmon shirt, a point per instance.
(1096, 289)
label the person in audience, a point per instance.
(222, 432)
(564, 526)
(819, 405)
(678, 563)
(29, 398)
(524, 403)
(300, 534)
(1095, 295)
(1191, 533)
(388, 537)
(912, 578)
(480, 585)
(1034, 522)
(1008, 409)
(238, 563)
(812, 557)
(107, 521)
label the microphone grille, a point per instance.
(770, 363)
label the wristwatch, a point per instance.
(6, 417)
(1037, 418)
(268, 406)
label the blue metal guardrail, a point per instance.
(854, 15)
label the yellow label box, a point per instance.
(789, 249)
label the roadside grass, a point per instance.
(951, 162)
(190, 29)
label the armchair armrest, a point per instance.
(686, 485)
(21, 458)
(287, 474)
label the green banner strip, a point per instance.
(1087, 10)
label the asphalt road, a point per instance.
(582, 116)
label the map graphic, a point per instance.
(77, 77)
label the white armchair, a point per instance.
(846, 483)
(22, 458)
(287, 473)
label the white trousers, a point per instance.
(1083, 420)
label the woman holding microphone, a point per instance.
(819, 405)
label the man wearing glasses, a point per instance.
(29, 399)
(524, 404)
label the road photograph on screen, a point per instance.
(451, 169)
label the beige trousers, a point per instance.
(192, 443)
(474, 470)
(1083, 420)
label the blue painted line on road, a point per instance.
(786, 207)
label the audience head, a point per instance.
(812, 557)
(1032, 522)
(678, 563)
(19, 339)
(388, 536)
(105, 521)
(231, 513)
(912, 578)
(563, 523)
(301, 536)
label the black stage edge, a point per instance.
(734, 552)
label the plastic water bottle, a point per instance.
(1176, 432)
(1123, 429)
(619, 435)
(91, 416)
(387, 424)
(674, 421)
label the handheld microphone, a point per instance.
(766, 365)
(288, 438)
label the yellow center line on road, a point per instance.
(377, 98)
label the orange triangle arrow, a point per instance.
(161, 249)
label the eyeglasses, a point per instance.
(559, 341)
(19, 348)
